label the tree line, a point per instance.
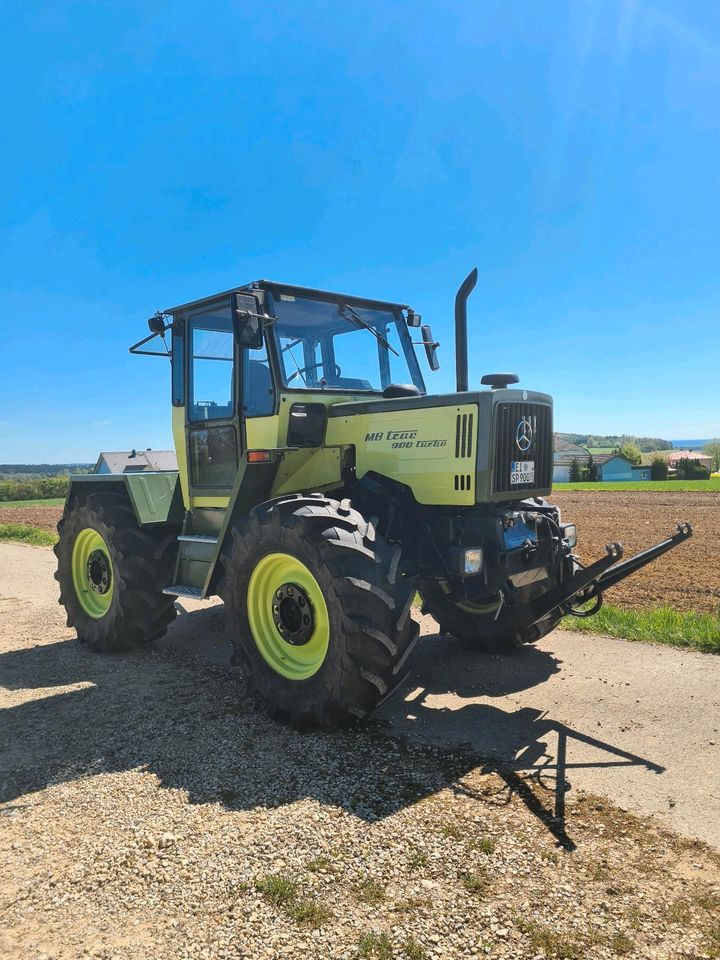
(41, 489)
(644, 444)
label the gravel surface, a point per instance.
(149, 810)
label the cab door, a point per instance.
(213, 426)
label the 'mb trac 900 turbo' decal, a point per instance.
(403, 439)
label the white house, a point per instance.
(136, 461)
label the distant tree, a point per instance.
(659, 468)
(575, 471)
(712, 449)
(688, 469)
(591, 471)
(631, 452)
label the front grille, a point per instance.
(508, 417)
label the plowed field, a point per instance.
(45, 518)
(688, 578)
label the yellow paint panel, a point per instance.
(262, 432)
(415, 447)
(178, 430)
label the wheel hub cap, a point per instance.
(98, 571)
(293, 615)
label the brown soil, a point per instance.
(45, 518)
(687, 578)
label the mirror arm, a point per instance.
(135, 348)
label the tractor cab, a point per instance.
(260, 365)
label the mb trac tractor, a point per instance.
(320, 489)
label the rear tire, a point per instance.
(475, 624)
(359, 633)
(111, 573)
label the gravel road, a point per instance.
(149, 810)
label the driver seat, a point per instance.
(258, 390)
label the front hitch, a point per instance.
(588, 583)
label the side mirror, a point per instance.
(156, 324)
(430, 347)
(247, 322)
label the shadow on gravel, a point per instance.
(526, 747)
(192, 725)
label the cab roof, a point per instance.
(273, 286)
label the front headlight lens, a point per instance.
(569, 532)
(473, 560)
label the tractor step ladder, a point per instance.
(188, 593)
(195, 554)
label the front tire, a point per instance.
(476, 624)
(111, 573)
(317, 610)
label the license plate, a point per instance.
(522, 471)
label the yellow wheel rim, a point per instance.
(288, 616)
(92, 573)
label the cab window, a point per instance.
(258, 392)
(212, 393)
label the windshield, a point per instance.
(324, 344)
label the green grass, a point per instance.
(375, 945)
(282, 890)
(475, 881)
(700, 631)
(370, 891)
(655, 486)
(54, 502)
(23, 534)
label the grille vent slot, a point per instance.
(507, 418)
(463, 436)
(462, 481)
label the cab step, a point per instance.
(196, 538)
(180, 590)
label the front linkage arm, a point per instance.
(588, 583)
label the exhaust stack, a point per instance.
(461, 347)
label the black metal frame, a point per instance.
(590, 582)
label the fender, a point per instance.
(156, 498)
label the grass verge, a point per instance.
(24, 534)
(699, 631)
(53, 502)
(654, 486)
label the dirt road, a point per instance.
(145, 801)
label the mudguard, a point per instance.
(156, 498)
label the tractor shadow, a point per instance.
(189, 721)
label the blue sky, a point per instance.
(159, 152)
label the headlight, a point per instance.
(569, 532)
(466, 560)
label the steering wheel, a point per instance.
(337, 372)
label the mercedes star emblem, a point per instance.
(524, 435)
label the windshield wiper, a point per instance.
(361, 322)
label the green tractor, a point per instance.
(320, 488)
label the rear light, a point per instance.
(258, 456)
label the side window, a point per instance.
(257, 384)
(212, 394)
